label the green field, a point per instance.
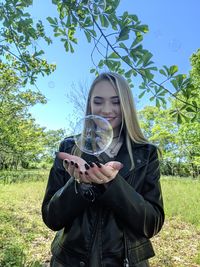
(25, 240)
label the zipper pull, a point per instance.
(126, 263)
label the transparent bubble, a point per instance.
(174, 45)
(93, 134)
(51, 84)
(97, 6)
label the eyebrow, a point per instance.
(112, 97)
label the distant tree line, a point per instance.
(23, 143)
(179, 143)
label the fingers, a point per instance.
(92, 172)
(115, 165)
(97, 173)
(75, 171)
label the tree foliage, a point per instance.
(195, 71)
(179, 143)
(117, 46)
(118, 41)
(22, 141)
(18, 41)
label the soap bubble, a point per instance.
(97, 7)
(93, 134)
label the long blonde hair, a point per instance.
(130, 124)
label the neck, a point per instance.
(116, 132)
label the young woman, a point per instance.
(106, 208)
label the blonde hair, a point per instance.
(130, 124)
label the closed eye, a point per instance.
(97, 103)
(116, 103)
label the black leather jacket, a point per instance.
(91, 233)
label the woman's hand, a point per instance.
(72, 159)
(103, 173)
(75, 166)
(89, 172)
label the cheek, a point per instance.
(94, 109)
(118, 111)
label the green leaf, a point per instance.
(128, 73)
(147, 56)
(88, 21)
(124, 34)
(104, 21)
(51, 21)
(111, 6)
(101, 63)
(179, 118)
(173, 69)
(157, 103)
(88, 36)
(127, 60)
(122, 45)
(66, 45)
(167, 70)
(148, 74)
(68, 23)
(113, 55)
(137, 40)
(92, 70)
(57, 34)
(71, 48)
(163, 101)
(163, 72)
(113, 21)
(194, 118)
(174, 83)
(190, 109)
(142, 94)
(142, 28)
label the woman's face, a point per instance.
(105, 103)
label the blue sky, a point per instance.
(173, 37)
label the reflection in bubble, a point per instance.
(93, 134)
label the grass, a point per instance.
(25, 240)
(8, 177)
(178, 244)
(182, 199)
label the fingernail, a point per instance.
(98, 164)
(66, 161)
(91, 164)
(76, 165)
(80, 172)
(87, 167)
(72, 162)
(86, 173)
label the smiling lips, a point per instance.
(109, 118)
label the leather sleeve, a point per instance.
(142, 213)
(61, 203)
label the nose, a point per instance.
(107, 108)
